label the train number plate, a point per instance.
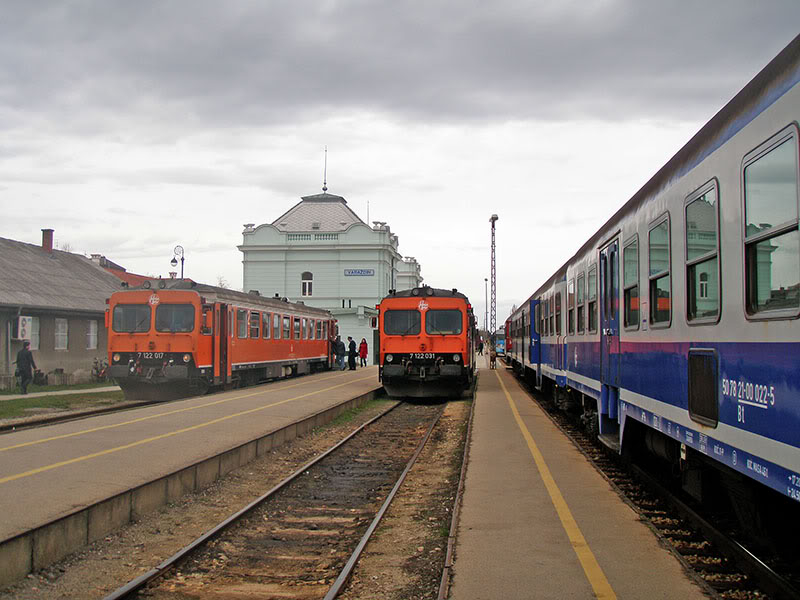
(423, 355)
(150, 355)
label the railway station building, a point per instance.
(321, 253)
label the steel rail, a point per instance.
(341, 580)
(444, 585)
(137, 584)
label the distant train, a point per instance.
(427, 343)
(177, 336)
(675, 328)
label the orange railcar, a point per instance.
(177, 336)
(427, 343)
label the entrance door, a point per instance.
(223, 337)
(535, 350)
(609, 314)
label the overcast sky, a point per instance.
(130, 127)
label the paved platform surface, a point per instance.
(94, 390)
(49, 472)
(538, 521)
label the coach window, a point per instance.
(580, 300)
(255, 322)
(660, 287)
(276, 326)
(306, 280)
(241, 323)
(297, 328)
(630, 281)
(558, 313)
(287, 327)
(402, 322)
(571, 307)
(702, 251)
(303, 329)
(265, 320)
(319, 329)
(772, 239)
(591, 297)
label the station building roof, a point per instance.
(320, 212)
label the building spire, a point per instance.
(325, 173)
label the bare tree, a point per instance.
(222, 282)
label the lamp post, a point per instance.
(486, 305)
(174, 262)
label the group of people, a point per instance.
(350, 351)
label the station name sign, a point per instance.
(359, 272)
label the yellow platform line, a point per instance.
(162, 436)
(597, 579)
(156, 416)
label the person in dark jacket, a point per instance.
(351, 353)
(339, 351)
(25, 365)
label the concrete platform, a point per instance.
(538, 521)
(66, 485)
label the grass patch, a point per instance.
(351, 413)
(23, 407)
(55, 388)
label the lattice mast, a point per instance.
(493, 309)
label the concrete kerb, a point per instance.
(48, 543)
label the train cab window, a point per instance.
(591, 298)
(304, 329)
(276, 326)
(571, 307)
(402, 322)
(287, 327)
(630, 281)
(771, 236)
(131, 318)
(175, 318)
(443, 322)
(297, 328)
(265, 325)
(580, 298)
(255, 323)
(702, 250)
(660, 283)
(558, 313)
(241, 323)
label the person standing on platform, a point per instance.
(351, 353)
(25, 366)
(339, 350)
(362, 352)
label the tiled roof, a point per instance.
(32, 277)
(321, 212)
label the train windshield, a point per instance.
(175, 318)
(401, 322)
(443, 322)
(131, 318)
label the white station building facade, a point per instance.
(321, 253)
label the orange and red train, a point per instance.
(427, 343)
(178, 336)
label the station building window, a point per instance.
(771, 236)
(702, 251)
(61, 334)
(630, 282)
(307, 282)
(580, 301)
(591, 298)
(91, 335)
(660, 282)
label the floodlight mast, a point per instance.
(493, 310)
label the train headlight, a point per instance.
(389, 358)
(187, 358)
(456, 358)
(115, 358)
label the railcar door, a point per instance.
(609, 314)
(536, 342)
(223, 338)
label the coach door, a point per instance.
(223, 338)
(609, 314)
(535, 349)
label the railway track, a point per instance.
(723, 567)
(302, 538)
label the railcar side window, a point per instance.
(402, 322)
(630, 260)
(241, 323)
(265, 327)
(276, 326)
(255, 323)
(297, 328)
(551, 312)
(581, 297)
(591, 296)
(131, 318)
(660, 288)
(287, 327)
(303, 329)
(702, 249)
(319, 330)
(558, 313)
(571, 307)
(772, 239)
(175, 318)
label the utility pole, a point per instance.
(493, 311)
(486, 304)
